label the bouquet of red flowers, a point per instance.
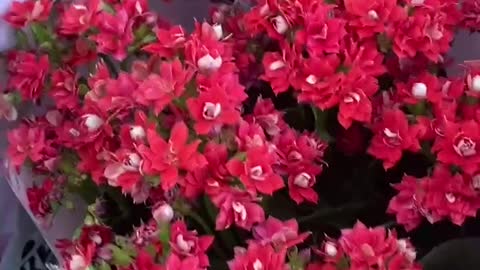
(255, 142)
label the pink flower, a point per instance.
(169, 41)
(373, 16)
(187, 244)
(406, 204)
(429, 30)
(77, 18)
(39, 199)
(322, 33)
(161, 89)
(64, 89)
(24, 12)
(300, 184)
(27, 73)
(258, 257)
(204, 51)
(367, 247)
(26, 143)
(278, 69)
(237, 207)
(278, 233)
(459, 146)
(451, 196)
(393, 135)
(175, 263)
(212, 109)
(115, 33)
(422, 87)
(144, 261)
(167, 157)
(256, 172)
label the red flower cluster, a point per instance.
(171, 120)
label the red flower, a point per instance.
(429, 30)
(167, 157)
(78, 18)
(26, 143)
(419, 88)
(169, 41)
(204, 51)
(373, 16)
(256, 172)
(186, 243)
(144, 261)
(270, 119)
(406, 204)
(64, 89)
(39, 199)
(460, 145)
(27, 73)
(160, 89)
(279, 68)
(95, 234)
(175, 263)
(300, 183)
(24, 12)
(124, 170)
(451, 196)
(367, 247)
(393, 135)
(237, 207)
(355, 104)
(279, 234)
(212, 109)
(258, 257)
(322, 33)
(115, 33)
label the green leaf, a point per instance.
(41, 33)
(120, 257)
(104, 266)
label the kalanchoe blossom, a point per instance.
(256, 172)
(158, 90)
(258, 257)
(212, 109)
(458, 146)
(115, 33)
(168, 41)
(407, 204)
(25, 12)
(77, 18)
(167, 157)
(27, 73)
(237, 207)
(277, 233)
(393, 135)
(187, 244)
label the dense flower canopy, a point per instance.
(191, 127)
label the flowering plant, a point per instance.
(254, 142)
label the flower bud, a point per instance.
(208, 63)
(93, 122)
(163, 213)
(419, 90)
(218, 31)
(475, 86)
(137, 133)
